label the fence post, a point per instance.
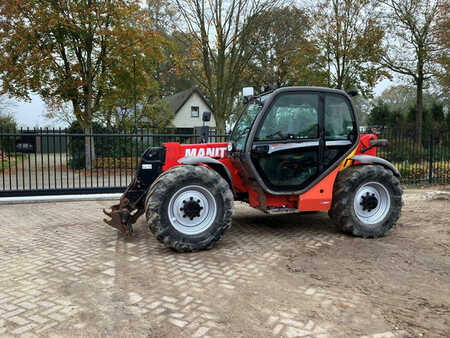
(430, 164)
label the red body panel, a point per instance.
(218, 151)
(364, 141)
(318, 198)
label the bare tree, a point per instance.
(60, 112)
(443, 54)
(411, 45)
(220, 30)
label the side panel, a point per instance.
(263, 200)
(320, 196)
(176, 151)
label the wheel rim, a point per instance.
(371, 203)
(192, 210)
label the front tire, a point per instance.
(189, 208)
(367, 201)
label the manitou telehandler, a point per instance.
(292, 150)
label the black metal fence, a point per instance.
(50, 161)
(42, 162)
(426, 163)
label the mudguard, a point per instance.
(373, 159)
(216, 165)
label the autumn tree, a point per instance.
(350, 35)
(175, 72)
(284, 53)
(75, 51)
(170, 71)
(411, 45)
(220, 30)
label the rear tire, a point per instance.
(189, 208)
(367, 201)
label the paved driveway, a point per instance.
(62, 272)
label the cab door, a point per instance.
(300, 137)
(286, 149)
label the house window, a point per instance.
(195, 111)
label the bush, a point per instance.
(7, 125)
(413, 172)
(116, 163)
(105, 146)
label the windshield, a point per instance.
(243, 125)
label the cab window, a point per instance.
(292, 116)
(339, 122)
(244, 124)
(339, 126)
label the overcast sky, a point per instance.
(30, 114)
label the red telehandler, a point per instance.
(293, 150)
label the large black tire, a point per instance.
(352, 200)
(167, 223)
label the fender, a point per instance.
(216, 165)
(373, 159)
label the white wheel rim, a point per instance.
(192, 210)
(372, 203)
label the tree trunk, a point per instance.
(220, 122)
(419, 111)
(89, 148)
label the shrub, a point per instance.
(105, 146)
(413, 172)
(7, 125)
(116, 163)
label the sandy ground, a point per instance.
(62, 273)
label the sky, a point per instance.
(31, 114)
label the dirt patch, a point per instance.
(405, 276)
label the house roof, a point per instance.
(179, 99)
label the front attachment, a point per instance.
(124, 214)
(131, 205)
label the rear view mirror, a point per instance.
(206, 117)
(352, 92)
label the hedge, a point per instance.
(420, 171)
(116, 163)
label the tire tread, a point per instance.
(175, 176)
(344, 189)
